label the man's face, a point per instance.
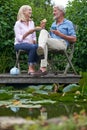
(56, 13)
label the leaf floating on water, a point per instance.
(48, 87)
(41, 92)
(70, 87)
(36, 87)
(16, 102)
(16, 108)
(5, 96)
(42, 101)
(30, 106)
(2, 91)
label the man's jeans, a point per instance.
(31, 49)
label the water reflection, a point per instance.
(69, 110)
(15, 109)
(30, 112)
(46, 111)
(43, 113)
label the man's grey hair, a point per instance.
(60, 7)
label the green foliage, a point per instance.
(83, 83)
(6, 60)
(8, 11)
(77, 12)
(7, 18)
(5, 96)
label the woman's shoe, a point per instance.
(31, 73)
(39, 73)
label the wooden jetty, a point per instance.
(24, 78)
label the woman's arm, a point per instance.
(27, 33)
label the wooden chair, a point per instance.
(68, 54)
(18, 53)
(69, 59)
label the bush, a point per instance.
(9, 10)
(77, 12)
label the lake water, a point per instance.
(51, 110)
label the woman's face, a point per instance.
(28, 13)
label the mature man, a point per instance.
(61, 33)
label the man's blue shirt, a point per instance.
(66, 27)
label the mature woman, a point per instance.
(25, 36)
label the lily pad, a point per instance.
(48, 87)
(71, 87)
(41, 92)
(15, 107)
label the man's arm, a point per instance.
(66, 37)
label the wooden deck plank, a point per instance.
(49, 78)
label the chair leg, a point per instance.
(66, 69)
(69, 64)
(70, 57)
(17, 59)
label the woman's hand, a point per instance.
(38, 28)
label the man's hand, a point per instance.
(56, 32)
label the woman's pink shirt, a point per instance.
(20, 29)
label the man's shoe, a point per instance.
(40, 51)
(39, 73)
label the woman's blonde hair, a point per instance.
(20, 15)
